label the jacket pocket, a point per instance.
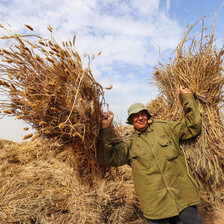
(169, 150)
(139, 158)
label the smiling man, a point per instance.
(164, 184)
(138, 116)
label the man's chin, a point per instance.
(141, 129)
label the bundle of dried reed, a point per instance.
(200, 69)
(46, 85)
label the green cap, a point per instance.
(135, 108)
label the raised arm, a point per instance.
(191, 126)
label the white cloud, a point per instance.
(167, 5)
(146, 7)
(98, 30)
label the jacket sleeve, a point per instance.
(192, 124)
(111, 154)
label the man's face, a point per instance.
(140, 121)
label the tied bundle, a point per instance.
(198, 68)
(45, 85)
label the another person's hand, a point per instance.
(183, 90)
(107, 119)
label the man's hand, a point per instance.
(107, 119)
(183, 90)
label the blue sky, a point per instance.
(129, 33)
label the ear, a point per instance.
(130, 120)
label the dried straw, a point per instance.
(39, 184)
(45, 85)
(198, 67)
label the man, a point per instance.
(164, 184)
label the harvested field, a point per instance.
(39, 184)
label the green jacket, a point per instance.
(162, 179)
